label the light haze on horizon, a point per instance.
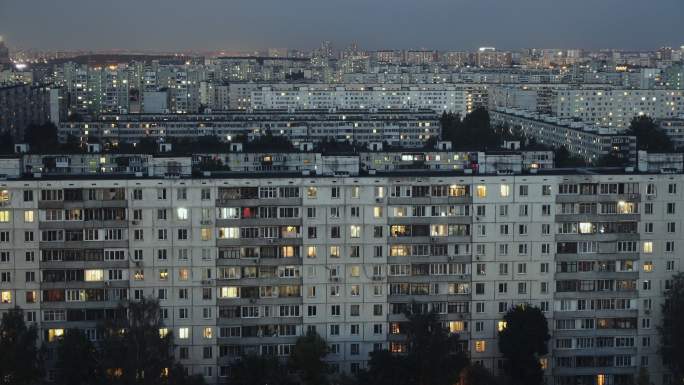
(374, 24)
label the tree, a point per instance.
(475, 374)
(522, 341)
(671, 331)
(307, 358)
(6, 143)
(21, 360)
(643, 378)
(42, 137)
(137, 349)
(649, 137)
(77, 359)
(563, 158)
(259, 370)
(433, 355)
(474, 131)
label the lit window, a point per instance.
(481, 191)
(505, 190)
(586, 228)
(54, 334)
(4, 196)
(183, 274)
(480, 346)
(456, 326)
(311, 192)
(205, 234)
(355, 231)
(93, 275)
(311, 252)
(229, 292)
(184, 333)
(208, 333)
(648, 267)
(6, 296)
(601, 379)
(377, 212)
(182, 213)
(229, 233)
(355, 271)
(163, 274)
(28, 216)
(163, 332)
(4, 216)
(501, 325)
(648, 247)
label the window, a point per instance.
(184, 333)
(480, 346)
(504, 190)
(4, 216)
(28, 216)
(481, 191)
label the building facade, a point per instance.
(244, 265)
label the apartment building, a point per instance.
(585, 140)
(616, 107)
(248, 264)
(401, 127)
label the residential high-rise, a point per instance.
(246, 265)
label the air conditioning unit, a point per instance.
(378, 200)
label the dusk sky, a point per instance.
(259, 24)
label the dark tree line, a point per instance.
(132, 351)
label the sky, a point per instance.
(374, 24)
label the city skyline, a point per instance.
(437, 24)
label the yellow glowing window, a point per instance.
(480, 346)
(163, 274)
(205, 234)
(334, 251)
(28, 216)
(355, 271)
(311, 252)
(207, 333)
(586, 228)
(163, 332)
(94, 275)
(601, 379)
(53, 334)
(648, 267)
(4, 216)
(648, 247)
(229, 292)
(505, 190)
(377, 212)
(311, 192)
(4, 196)
(6, 296)
(456, 326)
(481, 191)
(287, 252)
(501, 325)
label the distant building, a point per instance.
(22, 105)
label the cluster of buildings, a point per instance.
(248, 249)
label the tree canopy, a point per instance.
(473, 132)
(649, 137)
(522, 341)
(307, 358)
(21, 360)
(77, 359)
(433, 355)
(671, 330)
(259, 370)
